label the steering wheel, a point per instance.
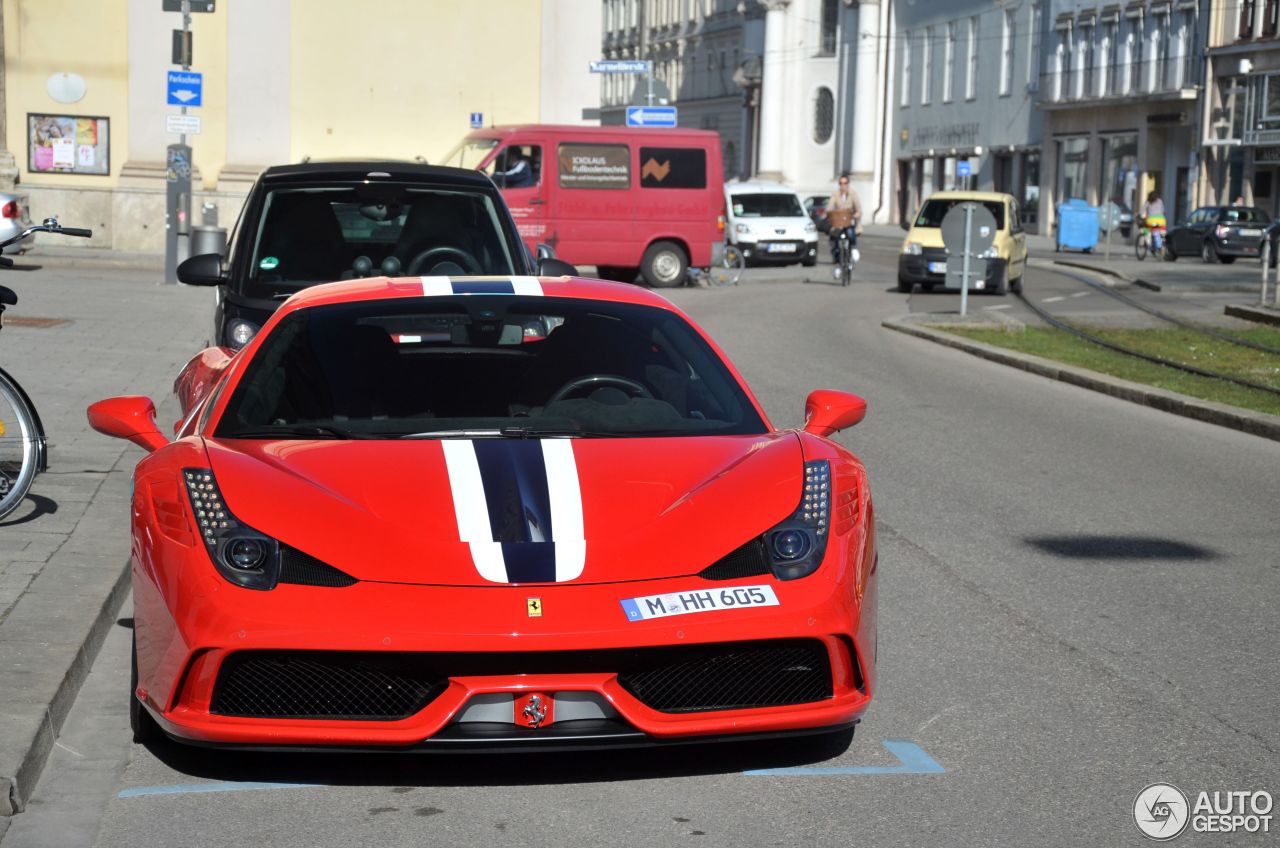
(596, 380)
(435, 255)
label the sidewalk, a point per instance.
(64, 552)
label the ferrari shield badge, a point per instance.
(535, 607)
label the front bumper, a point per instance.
(779, 250)
(1241, 247)
(930, 267)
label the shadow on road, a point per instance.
(40, 506)
(1120, 547)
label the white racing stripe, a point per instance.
(436, 286)
(527, 286)
(472, 510)
(566, 508)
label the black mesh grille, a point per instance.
(750, 560)
(725, 677)
(320, 685)
(306, 570)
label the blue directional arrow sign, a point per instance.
(651, 116)
(184, 88)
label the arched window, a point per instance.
(824, 109)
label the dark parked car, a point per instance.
(319, 222)
(1218, 234)
(1272, 234)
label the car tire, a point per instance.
(809, 263)
(1226, 260)
(1209, 252)
(664, 265)
(1002, 283)
(1166, 250)
(927, 287)
(618, 273)
(905, 286)
(1015, 286)
(144, 727)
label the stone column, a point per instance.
(8, 166)
(865, 94)
(771, 92)
(258, 86)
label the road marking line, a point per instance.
(911, 758)
(187, 788)
(1082, 294)
(994, 308)
(1052, 299)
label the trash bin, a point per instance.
(1077, 226)
(208, 240)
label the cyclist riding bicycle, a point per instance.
(1153, 219)
(844, 214)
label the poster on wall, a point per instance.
(68, 144)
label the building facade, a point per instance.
(1121, 93)
(282, 80)
(966, 97)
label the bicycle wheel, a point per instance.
(18, 438)
(1140, 247)
(729, 270)
(846, 263)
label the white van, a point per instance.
(768, 223)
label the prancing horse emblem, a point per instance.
(535, 711)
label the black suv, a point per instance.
(323, 221)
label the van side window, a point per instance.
(594, 165)
(673, 167)
(517, 166)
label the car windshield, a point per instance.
(469, 152)
(485, 366)
(320, 234)
(937, 208)
(1244, 215)
(767, 206)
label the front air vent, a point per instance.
(305, 570)
(750, 560)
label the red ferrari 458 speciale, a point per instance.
(433, 513)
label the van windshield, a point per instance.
(318, 234)
(936, 209)
(469, 153)
(767, 206)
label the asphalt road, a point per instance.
(1077, 600)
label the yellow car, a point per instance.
(923, 258)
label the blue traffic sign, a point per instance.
(651, 116)
(477, 120)
(963, 168)
(184, 88)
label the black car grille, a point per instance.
(750, 560)
(726, 677)
(305, 570)
(387, 686)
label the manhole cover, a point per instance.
(38, 323)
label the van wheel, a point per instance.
(618, 273)
(664, 265)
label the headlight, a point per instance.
(742, 229)
(810, 227)
(796, 546)
(241, 554)
(1223, 231)
(911, 248)
(989, 253)
(240, 331)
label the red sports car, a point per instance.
(434, 513)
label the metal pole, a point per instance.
(1111, 225)
(1266, 269)
(964, 273)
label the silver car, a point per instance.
(14, 218)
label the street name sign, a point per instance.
(622, 66)
(184, 88)
(196, 5)
(182, 124)
(651, 116)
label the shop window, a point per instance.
(1246, 18)
(1269, 18)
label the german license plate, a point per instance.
(1251, 232)
(781, 248)
(937, 267)
(698, 600)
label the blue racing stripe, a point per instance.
(483, 287)
(530, 562)
(514, 475)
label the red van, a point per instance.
(628, 201)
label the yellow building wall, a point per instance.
(401, 78)
(209, 49)
(71, 36)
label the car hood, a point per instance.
(439, 511)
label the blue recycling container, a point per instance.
(1077, 225)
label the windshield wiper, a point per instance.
(515, 431)
(306, 431)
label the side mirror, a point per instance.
(202, 270)
(827, 411)
(544, 251)
(556, 268)
(132, 417)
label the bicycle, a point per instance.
(726, 272)
(23, 448)
(1150, 240)
(844, 257)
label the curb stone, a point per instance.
(1246, 421)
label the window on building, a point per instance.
(1187, 39)
(1269, 15)
(1073, 162)
(904, 98)
(1111, 57)
(1118, 182)
(828, 26)
(1006, 50)
(1162, 78)
(824, 115)
(1033, 55)
(1085, 45)
(971, 78)
(1247, 8)
(949, 62)
(1135, 80)
(1031, 189)
(1064, 85)
(926, 65)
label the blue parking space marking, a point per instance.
(189, 788)
(911, 758)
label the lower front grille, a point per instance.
(362, 685)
